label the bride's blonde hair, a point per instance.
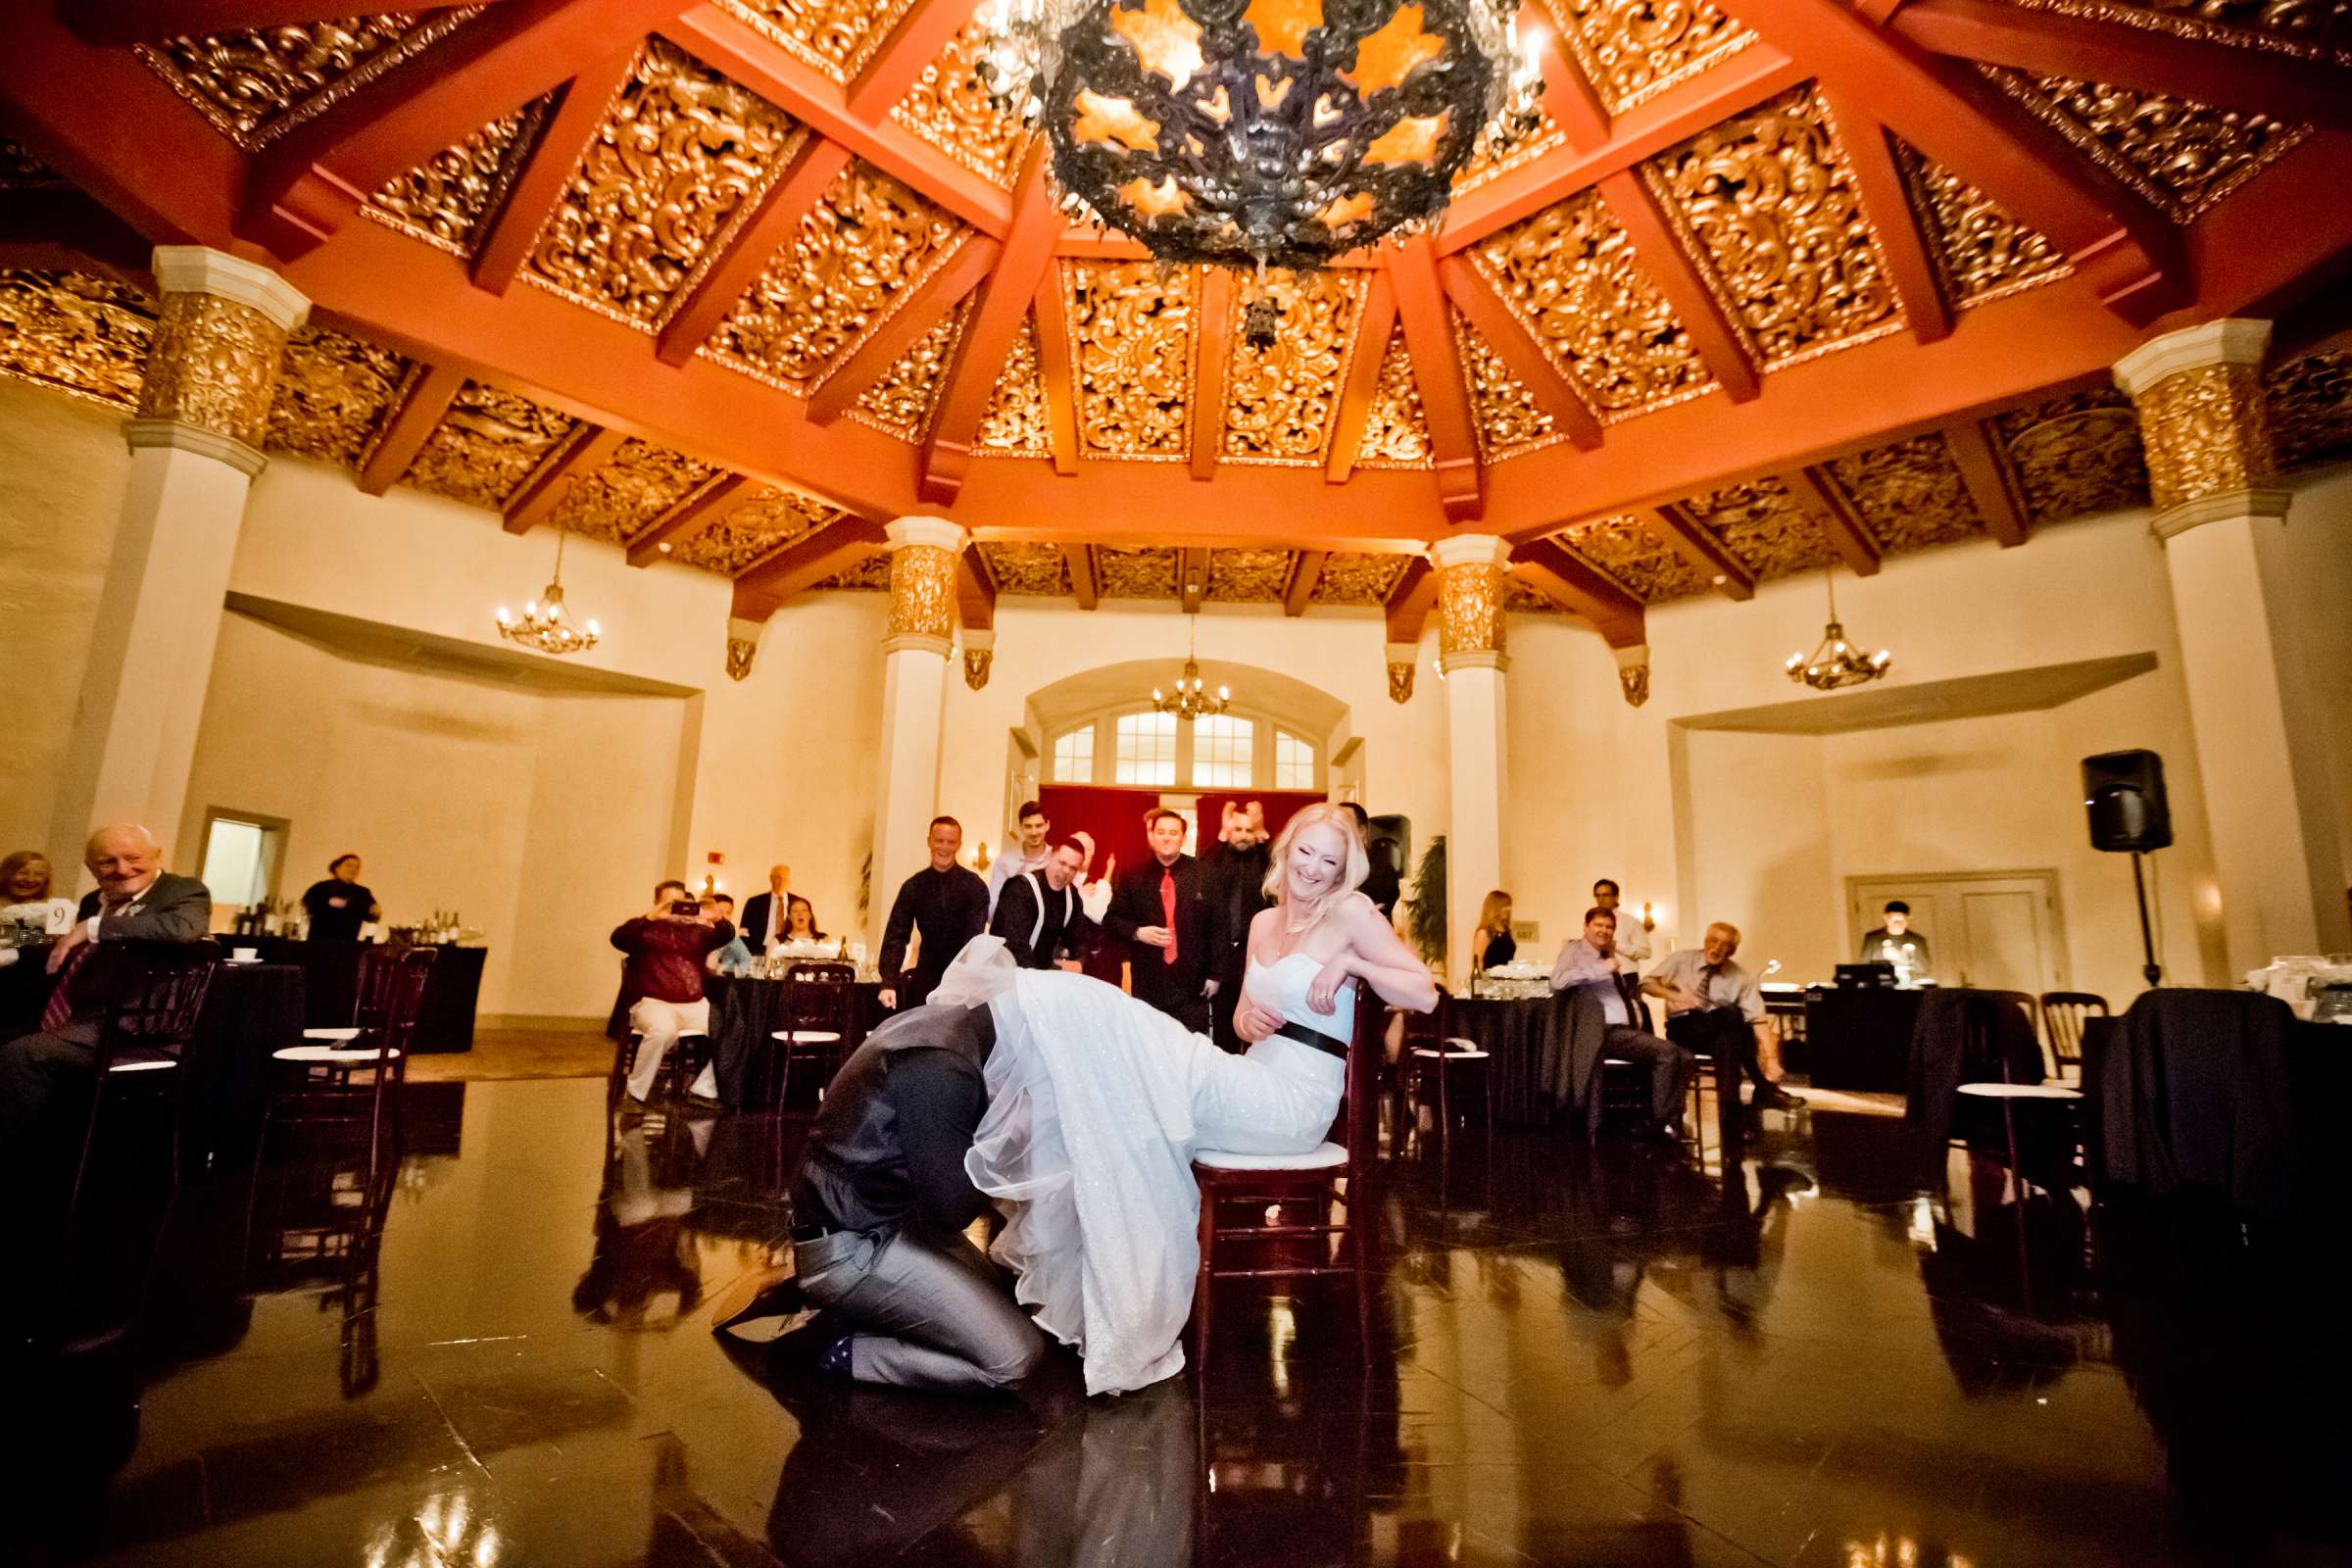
(1278, 883)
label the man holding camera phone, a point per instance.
(664, 949)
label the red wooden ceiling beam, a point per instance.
(588, 449)
(694, 515)
(1988, 481)
(924, 307)
(1438, 372)
(1211, 354)
(422, 403)
(1191, 579)
(1084, 586)
(1410, 602)
(1509, 337)
(1675, 528)
(1884, 201)
(577, 120)
(1025, 262)
(2128, 249)
(1306, 570)
(1568, 98)
(1574, 587)
(304, 186)
(1057, 370)
(915, 39)
(2044, 41)
(800, 565)
(814, 167)
(1816, 490)
(975, 591)
(1712, 333)
(1373, 330)
(719, 41)
(65, 230)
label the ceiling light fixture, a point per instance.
(1191, 698)
(1837, 663)
(545, 624)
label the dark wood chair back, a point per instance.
(391, 994)
(2063, 1016)
(154, 992)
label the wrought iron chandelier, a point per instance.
(1837, 663)
(1260, 132)
(1190, 698)
(545, 624)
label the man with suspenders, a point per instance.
(1040, 913)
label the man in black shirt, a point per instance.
(1234, 890)
(943, 902)
(1157, 910)
(1384, 884)
(878, 1205)
(1039, 914)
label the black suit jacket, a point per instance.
(1134, 904)
(754, 928)
(173, 908)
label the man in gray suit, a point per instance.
(137, 900)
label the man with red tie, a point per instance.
(1157, 910)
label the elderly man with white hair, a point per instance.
(137, 900)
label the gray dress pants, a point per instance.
(929, 1312)
(1668, 1064)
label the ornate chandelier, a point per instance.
(1837, 663)
(545, 624)
(1260, 132)
(1191, 698)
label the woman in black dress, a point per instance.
(339, 906)
(1492, 944)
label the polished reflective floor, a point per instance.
(498, 1354)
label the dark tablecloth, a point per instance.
(1526, 1040)
(250, 1010)
(1860, 1039)
(331, 984)
(745, 1014)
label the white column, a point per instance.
(194, 450)
(1471, 657)
(2261, 746)
(914, 685)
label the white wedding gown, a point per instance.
(1096, 1105)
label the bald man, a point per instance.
(767, 914)
(137, 901)
(1714, 1007)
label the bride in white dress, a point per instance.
(1098, 1103)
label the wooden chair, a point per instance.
(820, 1021)
(2063, 1015)
(680, 1067)
(1437, 1055)
(326, 1078)
(1238, 1192)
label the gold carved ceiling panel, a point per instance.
(2076, 455)
(2309, 29)
(1767, 205)
(1485, 165)
(1633, 50)
(1018, 423)
(1980, 252)
(21, 170)
(1358, 577)
(1248, 577)
(1131, 334)
(1030, 571)
(2311, 410)
(903, 400)
(1763, 528)
(2180, 155)
(1395, 430)
(1909, 494)
(486, 444)
(1570, 277)
(1510, 420)
(750, 533)
(835, 37)
(256, 85)
(1628, 555)
(1280, 401)
(76, 333)
(1524, 598)
(683, 156)
(1146, 574)
(333, 395)
(449, 200)
(624, 497)
(948, 108)
(858, 252)
(871, 575)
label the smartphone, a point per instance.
(686, 907)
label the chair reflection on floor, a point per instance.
(326, 1225)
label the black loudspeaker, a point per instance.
(2123, 792)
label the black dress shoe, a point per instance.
(1775, 1098)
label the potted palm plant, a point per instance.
(1425, 921)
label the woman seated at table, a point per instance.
(799, 921)
(1492, 944)
(339, 906)
(26, 893)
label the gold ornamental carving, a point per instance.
(213, 366)
(1248, 577)
(1131, 334)
(1401, 679)
(1570, 275)
(448, 199)
(752, 532)
(2182, 154)
(76, 333)
(1358, 577)
(2298, 30)
(836, 36)
(486, 444)
(903, 400)
(1146, 574)
(1628, 555)
(2076, 455)
(858, 255)
(629, 493)
(976, 664)
(2311, 410)
(256, 85)
(2205, 432)
(1909, 494)
(740, 650)
(1633, 50)
(1470, 604)
(1019, 422)
(1395, 430)
(923, 593)
(21, 170)
(1766, 203)
(950, 107)
(333, 395)
(1280, 401)
(1033, 570)
(1523, 598)
(1487, 164)
(1763, 528)
(683, 156)
(1510, 418)
(871, 575)
(1633, 681)
(1980, 252)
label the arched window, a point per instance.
(1140, 747)
(1293, 761)
(1146, 748)
(1075, 755)
(1222, 744)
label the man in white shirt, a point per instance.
(1633, 936)
(1592, 962)
(1030, 855)
(1715, 1008)
(766, 916)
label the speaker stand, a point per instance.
(2150, 971)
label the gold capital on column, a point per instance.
(1402, 658)
(1633, 673)
(979, 653)
(213, 365)
(2203, 420)
(1470, 600)
(922, 584)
